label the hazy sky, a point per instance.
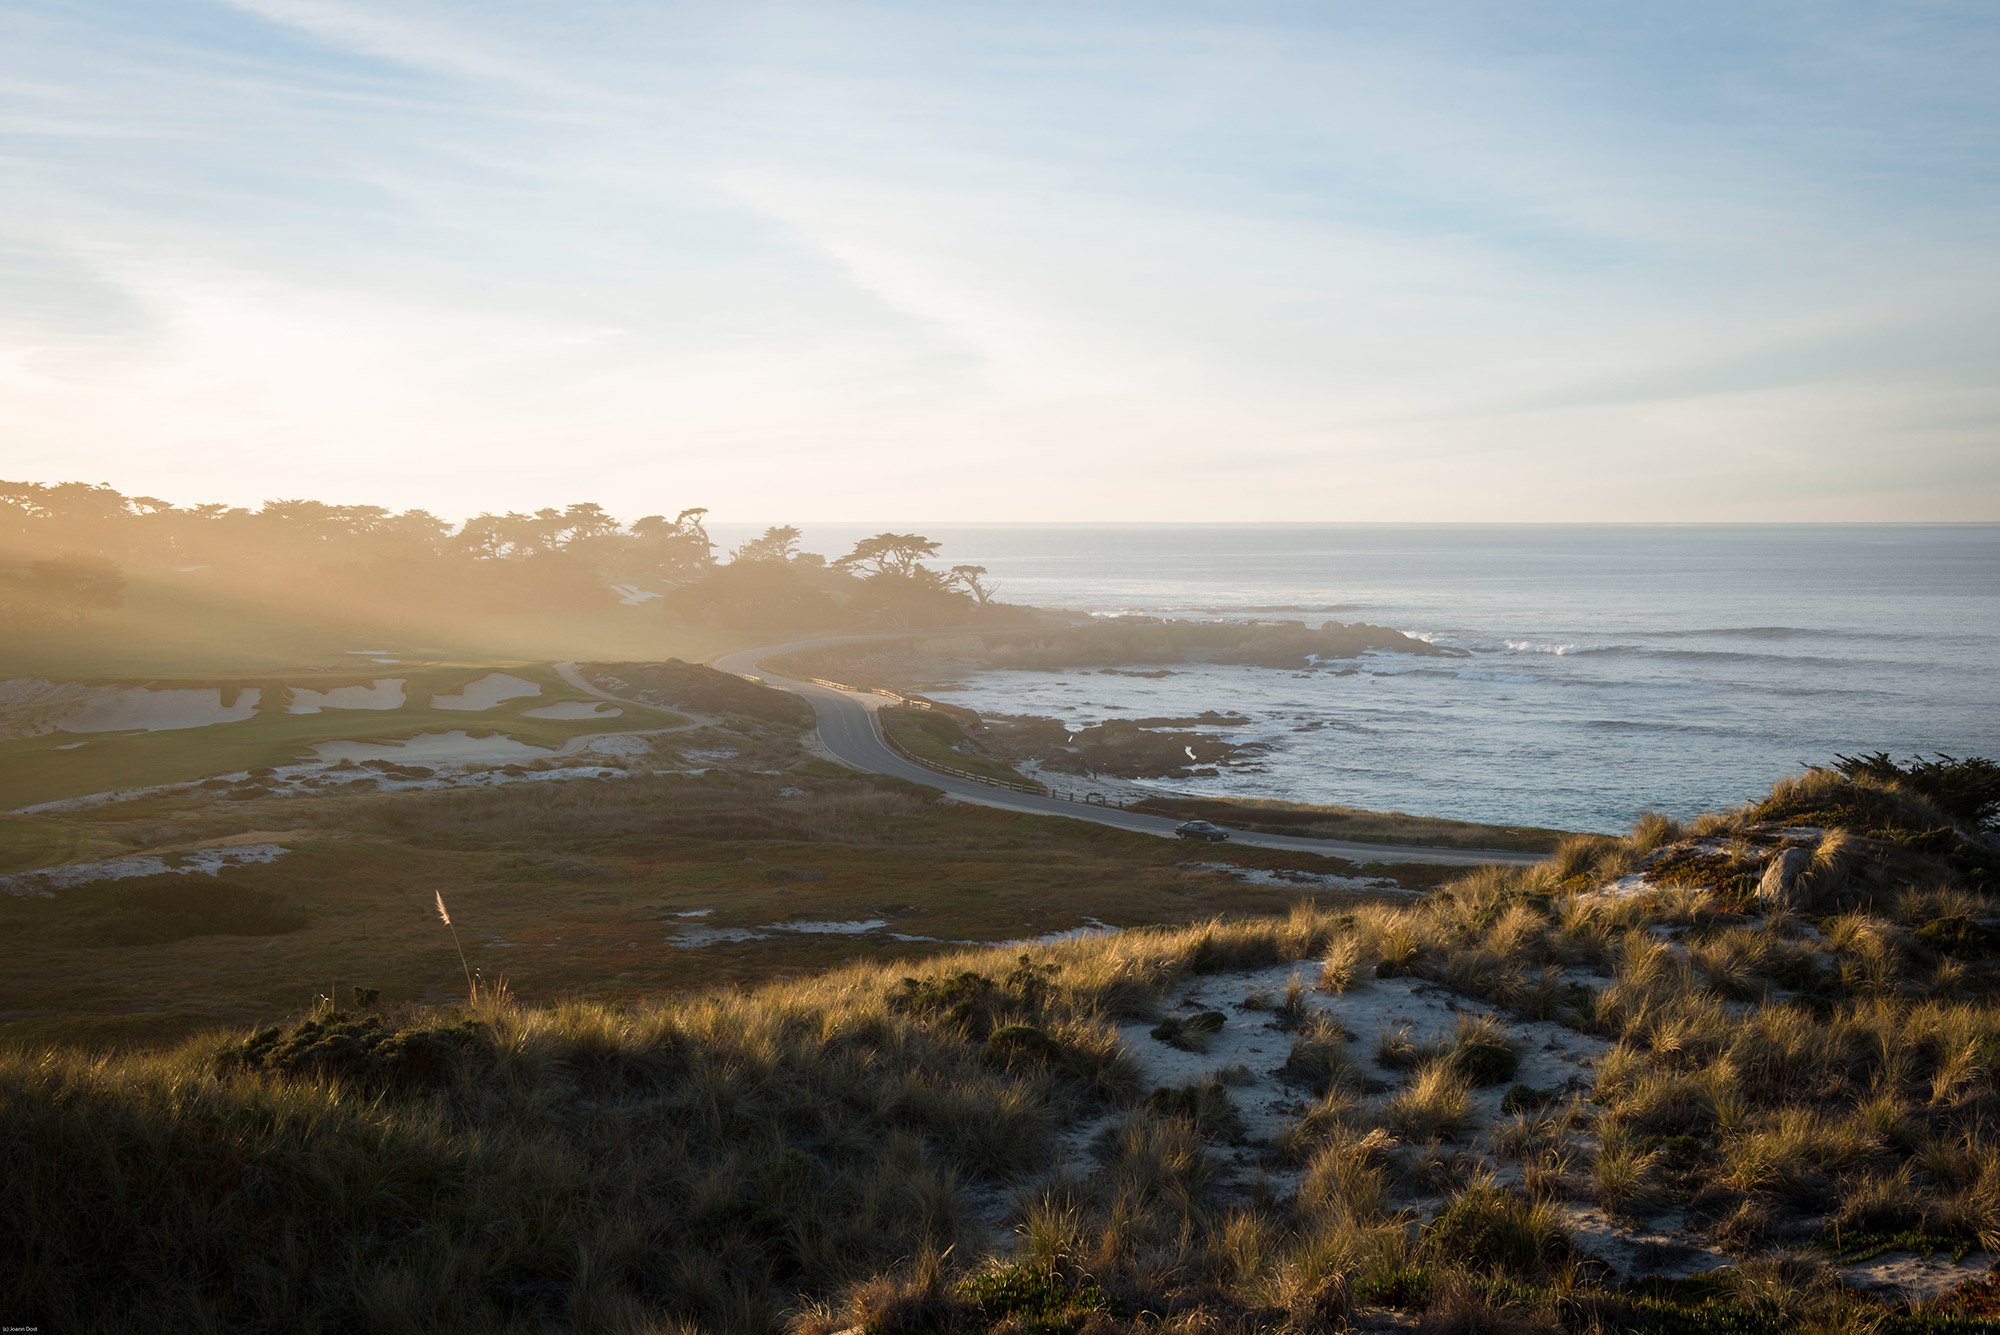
(1010, 260)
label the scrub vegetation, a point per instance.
(1781, 1023)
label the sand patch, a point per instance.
(632, 595)
(1665, 1248)
(633, 746)
(695, 938)
(435, 748)
(1551, 1057)
(142, 709)
(1287, 878)
(35, 707)
(384, 694)
(199, 862)
(495, 688)
(854, 928)
(1091, 927)
(574, 710)
(1915, 1278)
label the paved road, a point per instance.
(849, 732)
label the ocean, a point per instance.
(1613, 668)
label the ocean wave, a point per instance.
(1265, 608)
(1738, 632)
(1566, 649)
(1642, 725)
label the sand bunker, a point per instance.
(141, 709)
(385, 694)
(492, 689)
(34, 707)
(572, 710)
(632, 595)
(435, 748)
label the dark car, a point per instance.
(1201, 829)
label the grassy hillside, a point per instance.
(1712, 1078)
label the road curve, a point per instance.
(849, 732)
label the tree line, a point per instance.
(66, 548)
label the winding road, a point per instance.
(851, 735)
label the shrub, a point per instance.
(1318, 1056)
(1205, 1104)
(1525, 1099)
(1191, 1033)
(1433, 1106)
(1486, 1228)
(1968, 791)
(1481, 1052)
(368, 1053)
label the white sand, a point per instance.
(1551, 1056)
(1288, 878)
(1091, 927)
(435, 748)
(612, 745)
(1916, 1278)
(694, 938)
(632, 595)
(200, 862)
(384, 694)
(1663, 1247)
(493, 689)
(34, 707)
(142, 709)
(854, 928)
(572, 710)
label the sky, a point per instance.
(1096, 260)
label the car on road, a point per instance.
(1201, 829)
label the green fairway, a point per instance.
(61, 765)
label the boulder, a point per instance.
(1783, 886)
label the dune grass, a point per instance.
(850, 1148)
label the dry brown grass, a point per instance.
(823, 1150)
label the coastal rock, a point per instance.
(1783, 885)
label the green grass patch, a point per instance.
(29, 842)
(1265, 816)
(938, 739)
